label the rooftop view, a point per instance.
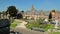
(29, 17)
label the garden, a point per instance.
(14, 23)
(39, 24)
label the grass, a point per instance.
(54, 32)
(39, 24)
(15, 23)
(29, 25)
(44, 26)
(34, 24)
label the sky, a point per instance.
(26, 4)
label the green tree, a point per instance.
(19, 16)
(22, 11)
(0, 14)
(12, 11)
(50, 17)
(53, 10)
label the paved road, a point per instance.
(27, 31)
(22, 25)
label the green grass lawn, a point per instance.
(44, 26)
(39, 24)
(54, 32)
(14, 24)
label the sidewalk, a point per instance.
(22, 25)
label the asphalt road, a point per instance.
(27, 31)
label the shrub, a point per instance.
(29, 25)
(35, 24)
(40, 21)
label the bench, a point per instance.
(38, 29)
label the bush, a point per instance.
(40, 21)
(35, 24)
(39, 24)
(29, 25)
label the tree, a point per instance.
(12, 11)
(19, 16)
(0, 14)
(50, 17)
(53, 10)
(22, 12)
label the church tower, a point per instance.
(32, 9)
